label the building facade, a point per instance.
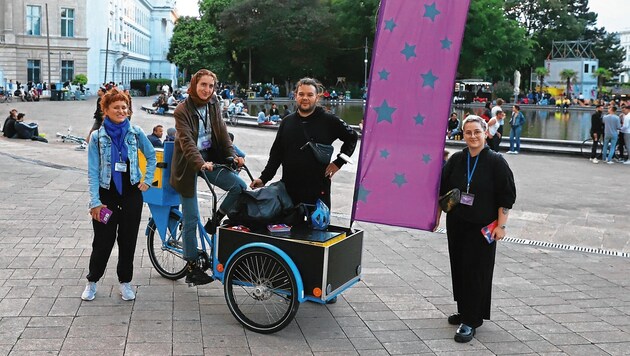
(577, 56)
(624, 42)
(111, 40)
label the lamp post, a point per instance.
(365, 62)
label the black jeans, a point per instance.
(122, 227)
(595, 142)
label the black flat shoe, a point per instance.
(464, 333)
(455, 319)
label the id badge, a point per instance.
(204, 142)
(121, 167)
(467, 199)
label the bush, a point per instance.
(504, 90)
(80, 79)
(140, 84)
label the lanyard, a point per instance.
(119, 147)
(470, 173)
(204, 119)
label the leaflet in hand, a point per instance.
(486, 231)
(279, 228)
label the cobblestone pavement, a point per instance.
(546, 300)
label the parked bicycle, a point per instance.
(69, 137)
(5, 96)
(265, 275)
(587, 147)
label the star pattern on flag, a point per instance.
(384, 153)
(431, 11)
(362, 194)
(399, 179)
(384, 112)
(390, 24)
(409, 51)
(446, 43)
(419, 119)
(428, 79)
(426, 158)
(383, 74)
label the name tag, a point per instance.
(467, 199)
(121, 167)
(204, 142)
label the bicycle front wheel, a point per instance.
(261, 291)
(166, 255)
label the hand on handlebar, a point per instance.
(240, 161)
(257, 183)
(207, 166)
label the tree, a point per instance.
(602, 75)
(568, 75)
(541, 73)
(493, 46)
(80, 79)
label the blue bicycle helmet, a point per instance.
(320, 219)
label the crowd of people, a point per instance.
(612, 132)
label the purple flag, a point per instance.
(410, 90)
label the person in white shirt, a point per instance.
(625, 131)
(171, 101)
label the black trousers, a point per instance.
(122, 228)
(594, 148)
(472, 266)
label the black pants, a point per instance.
(594, 149)
(122, 227)
(621, 143)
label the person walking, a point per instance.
(625, 131)
(488, 193)
(612, 124)
(116, 185)
(305, 178)
(516, 126)
(597, 130)
(201, 140)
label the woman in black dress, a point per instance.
(488, 193)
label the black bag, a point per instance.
(257, 208)
(323, 153)
(450, 200)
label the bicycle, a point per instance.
(6, 97)
(265, 277)
(69, 137)
(587, 147)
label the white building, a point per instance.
(74, 40)
(139, 38)
(624, 42)
(577, 56)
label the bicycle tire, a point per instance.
(261, 290)
(168, 262)
(587, 147)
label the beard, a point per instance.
(309, 109)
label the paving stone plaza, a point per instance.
(561, 284)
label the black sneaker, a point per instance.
(455, 319)
(197, 277)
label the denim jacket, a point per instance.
(100, 162)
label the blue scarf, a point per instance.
(117, 133)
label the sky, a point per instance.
(610, 12)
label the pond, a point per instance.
(573, 125)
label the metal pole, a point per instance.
(106, 55)
(250, 68)
(365, 61)
(48, 45)
(60, 70)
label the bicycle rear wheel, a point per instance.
(587, 147)
(261, 291)
(166, 255)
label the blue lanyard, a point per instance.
(470, 173)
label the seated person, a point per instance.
(170, 134)
(240, 108)
(8, 129)
(171, 101)
(453, 126)
(19, 93)
(274, 113)
(232, 107)
(156, 136)
(34, 94)
(262, 117)
(28, 130)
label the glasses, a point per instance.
(474, 133)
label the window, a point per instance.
(67, 71)
(33, 70)
(592, 69)
(67, 22)
(33, 20)
(586, 68)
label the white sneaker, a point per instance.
(90, 291)
(126, 291)
(610, 162)
(627, 162)
(590, 159)
(515, 152)
(595, 160)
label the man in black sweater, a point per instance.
(305, 178)
(597, 131)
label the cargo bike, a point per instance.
(266, 275)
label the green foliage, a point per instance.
(140, 84)
(602, 75)
(541, 73)
(80, 79)
(493, 46)
(503, 90)
(568, 75)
